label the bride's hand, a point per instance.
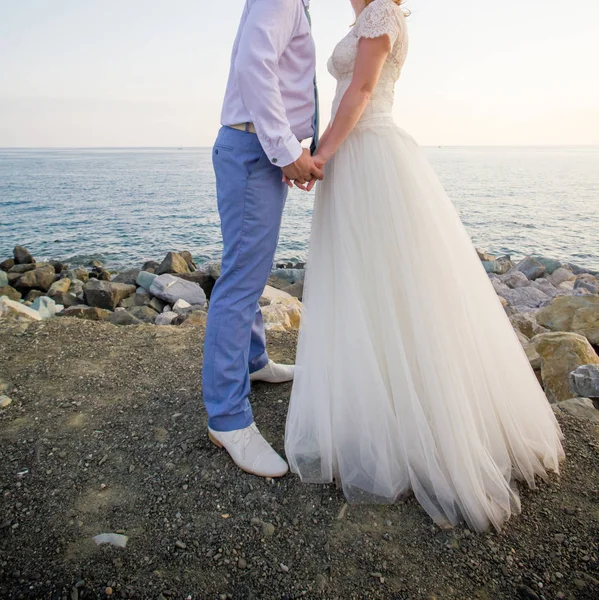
(320, 162)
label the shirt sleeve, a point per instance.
(269, 28)
(378, 19)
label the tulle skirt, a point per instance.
(409, 374)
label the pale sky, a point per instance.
(90, 73)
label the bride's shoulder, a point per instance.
(380, 17)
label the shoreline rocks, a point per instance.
(553, 306)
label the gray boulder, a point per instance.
(551, 264)
(123, 317)
(45, 306)
(166, 318)
(581, 408)
(532, 268)
(170, 289)
(560, 275)
(143, 313)
(129, 277)
(584, 381)
(22, 255)
(106, 294)
(529, 297)
(516, 279)
(78, 273)
(587, 282)
(10, 293)
(3, 279)
(145, 279)
(91, 313)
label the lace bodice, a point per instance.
(381, 17)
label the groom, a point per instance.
(269, 107)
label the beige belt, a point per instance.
(249, 127)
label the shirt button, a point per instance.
(275, 160)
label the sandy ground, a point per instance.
(107, 433)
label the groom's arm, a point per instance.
(267, 33)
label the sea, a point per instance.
(123, 206)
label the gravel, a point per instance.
(106, 432)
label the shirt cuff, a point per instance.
(285, 153)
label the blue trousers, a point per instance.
(251, 197)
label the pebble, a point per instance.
(181, 545)
(4, 401)
(268, 529)
(242, 563)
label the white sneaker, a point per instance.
(250, 451)
(274, 373)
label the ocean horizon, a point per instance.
(124, 205)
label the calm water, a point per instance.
(124, 206)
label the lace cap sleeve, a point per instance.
(379, 18)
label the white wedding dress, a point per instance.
(409, 374)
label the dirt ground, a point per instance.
(107, 433)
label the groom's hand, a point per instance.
(302, 171)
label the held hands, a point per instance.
(304, 172)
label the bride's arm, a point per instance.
(372, 53)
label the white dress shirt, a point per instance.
(271, 81)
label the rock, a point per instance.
(268, 529)
(143, 313)
(533, 356)
(100, 274)
(188, 258)
(170, 289)
(3, 279)
(166, 318)
(58, 266)
(587, 282)
(24, 268)
(584, 381)
(91, 313)
(22, 256)
(241, 564)
(276, 315)
(32, 295)
(7, 264)
(76, 286)
(13, 278)
(5, 401)
(181, 545)
(282, 278)
(294, 310)
(157, 304)
(150, 266)
(500, 266)
(516, 279)
(66, 299)
(38, 279)
(532, 268)
(562, 353)
(59, 287)
(295, 289)
(114, 539)
(16, 310)
(577, 314)
(560, 275)
(78, 273)
(582, 408)
(204, 280)
(45, 306)
(527, 324)
(106, 294)
(484, 256)
(173, 263)
(196, 318)
(580, 270)
(545, 286)
(123, 317)
(181, 307)
(10, 293)
(212, 268)
(145, 280)
(551, 264)
(499, 286)
(129, 276)
(270, 293)
(528, 297)
(567, 287)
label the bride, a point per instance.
(409, 375)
